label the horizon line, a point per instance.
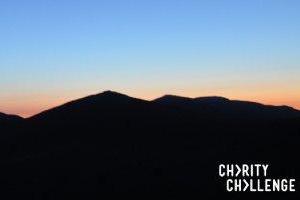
(144, 99)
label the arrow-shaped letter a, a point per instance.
(238, 170)
(246, 185)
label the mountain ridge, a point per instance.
(4, 116)
(209, 102)
(113, 142)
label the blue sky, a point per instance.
(54, 51)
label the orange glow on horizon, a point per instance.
(30, 108)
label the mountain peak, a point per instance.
(180, 99)
(90, 105)
(111, 94)
(212, 99)
(172, 99)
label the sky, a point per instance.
(54, 51)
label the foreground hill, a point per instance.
(6, 117)
(8, 122)
(113, 143)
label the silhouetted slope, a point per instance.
(113, 143)
(8, 121)
(221, 107)
(91, 105)
(6, 117)
(173, 100)
(9, 128)
(213, 106)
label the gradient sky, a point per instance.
(52, 51)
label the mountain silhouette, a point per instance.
(113, 143)
(91, 105)
(215, 106)
(9, 121)
(6, 117)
